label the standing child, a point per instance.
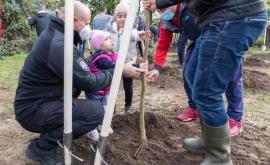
(115, 28)
(103, 59)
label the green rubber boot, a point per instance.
(195, 145)
(217, 142)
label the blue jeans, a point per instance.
(188, 89)
(234, 95)
(181, 45)
(234, 91)
(215, 59)
(100, 98)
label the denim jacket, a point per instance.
(219, 10)
(170, 26)
(188, 26)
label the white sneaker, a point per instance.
(93, 135)
(110, 130)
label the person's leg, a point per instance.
(128, 83)
(139, 44)
(223, 45)
(95, 97)
(94, 134)
(190, 113)
(181, 45)
(87, 115)
(234, 95)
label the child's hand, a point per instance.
(152, 76)
(145, 35)
(142, 35)
(144, 66)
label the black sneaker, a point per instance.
(33, 152)
(128, 110)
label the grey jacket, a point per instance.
(116, 37)
(208, 11)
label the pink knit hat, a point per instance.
(98, 37)
(121, 8)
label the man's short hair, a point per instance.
(102, 8)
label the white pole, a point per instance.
(264, 41)
(68, 71)
(265, 37)
(109, 109)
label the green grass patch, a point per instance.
(266, 98)
(254, 107)
(10, 68)
(257, 50)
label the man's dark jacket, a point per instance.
(40, 21)
(208, 11)
(41, 78)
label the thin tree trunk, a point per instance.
(143, 80)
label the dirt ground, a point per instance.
(164, 100)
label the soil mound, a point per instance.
(256, 80)
(165, 136)
(256, 62)
(173, 72)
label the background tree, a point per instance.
(95, 5)
(17, 35)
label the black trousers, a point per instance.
(48, 120)
(139, 45)
(128, 83)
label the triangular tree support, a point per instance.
(133, 8)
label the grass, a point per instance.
(257, 50)
(266, 98)
(10, 67)
(254, 107)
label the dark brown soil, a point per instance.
(256, 80)
(253, 79)
(165, 136)
(164, 100)
(256, 62)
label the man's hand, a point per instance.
(152, 75)
(131, 71)
(149, 4)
